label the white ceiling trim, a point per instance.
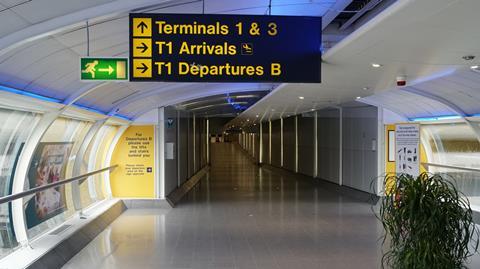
(68, 21)
(193, 96)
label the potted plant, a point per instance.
(428, 223)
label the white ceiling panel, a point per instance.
(10, 22)
(431, 41)
(40, 10)
(418, 39)
(408, 104)
(279, 7)
(98, 32)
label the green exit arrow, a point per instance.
(94, 69)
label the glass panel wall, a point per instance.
(15, 128)
(53, 161)
(454, 144)
(94, 159)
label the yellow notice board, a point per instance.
(134, 153)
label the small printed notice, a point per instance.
(135, 156)
(407, 147)
(139, 147)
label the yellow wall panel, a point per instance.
(134, 155)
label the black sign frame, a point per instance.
(298, 52)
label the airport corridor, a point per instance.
(242, 216)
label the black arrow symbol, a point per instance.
(142, 26)
(144, 67)
(143, 47)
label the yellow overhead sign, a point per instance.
(142, 27)
(224, 48)
(142, 47)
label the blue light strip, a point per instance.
(29, 94)
(234, 104)
(58, 101)
(436, 118)
(89, 109)
(123, 117)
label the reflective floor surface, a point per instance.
(241, 216)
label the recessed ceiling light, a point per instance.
(256, 116)
(358, 97)
(366, 88)
(248, 119)
(301, 97)
(375, 65)
(313, 109)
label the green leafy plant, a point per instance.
(428, 223)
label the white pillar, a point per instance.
(281, 142)
(260, 146)
(253, 145)
(77, 165)
(269, 142)
(315, 144)
(208, 141)
(340, 165)
(161, 152)
(380, 151)
(296, 144)
(19, 180)
(194, 145)
(108, 159)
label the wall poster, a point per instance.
(48, 166)
(407, 147)
(135, 156)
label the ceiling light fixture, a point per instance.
(474, 67)
(358, 97)
(256, 116)
(366, 88)
(375, 65)
(301, 97)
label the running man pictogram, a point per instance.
(90, 68)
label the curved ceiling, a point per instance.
(45, 60)
(424, 40)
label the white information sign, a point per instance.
(407, 147)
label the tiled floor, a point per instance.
(243, 217)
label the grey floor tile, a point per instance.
(241, 216)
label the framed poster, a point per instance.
(48, 166)
(407, 147)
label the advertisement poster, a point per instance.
(135, 156)
(48, 166)
(407, 147)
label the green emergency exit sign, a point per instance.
(103, 69)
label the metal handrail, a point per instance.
(452, 167)
(11, 197)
